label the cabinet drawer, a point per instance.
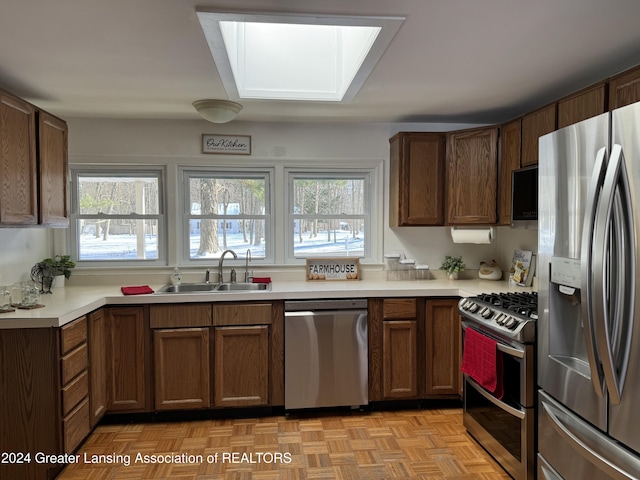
(73, 363)
(399, 308)
(75, 427)
(73, 334)
(242, 314)
(177, 316)
(75, 392)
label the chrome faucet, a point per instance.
(247, 276)
(220, 276)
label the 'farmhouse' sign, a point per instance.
(333, 269)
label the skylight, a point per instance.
(296, 57)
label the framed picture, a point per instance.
(226, 144)
(333, 269)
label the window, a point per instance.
(226, 210)
(117, 215)
(328, 214)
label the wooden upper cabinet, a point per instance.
(534, 125)
(18, 184)
(472, 176)
(52, 155)
(416, 184)
(624, 89)
(584, 104)
(510, 150)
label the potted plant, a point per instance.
(452, 265)
(60, 267)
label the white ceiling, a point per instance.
(469, 61)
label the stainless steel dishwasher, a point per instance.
(325, 353)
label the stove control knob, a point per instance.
(512, 323)
(473, 308)
(486, 313)
(500, 318)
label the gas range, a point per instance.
(511, 316)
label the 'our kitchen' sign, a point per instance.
(333, 269)
(226, 144)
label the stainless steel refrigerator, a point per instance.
(588, 303)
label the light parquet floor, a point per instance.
(405, 444)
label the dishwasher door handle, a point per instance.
(324, 313)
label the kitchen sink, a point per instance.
(213, 287)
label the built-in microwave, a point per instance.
(524, 197)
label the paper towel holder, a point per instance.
(490, 231)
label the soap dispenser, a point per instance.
(176, 276)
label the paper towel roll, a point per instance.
(472, 235)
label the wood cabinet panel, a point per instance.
(241, 364)
(126, 360)
(624, 89)
(472, 176)
(584, 104)
(178, 316)
(534, 125)
(18, 184)
(400, 360)
(75, 427)
(74, 362)
(97, 365)
(181, 368)
(73, 334)
(242, 314)
(52, 164)
(75, 391)
(442, 347)
(510, 150)
(416, 186)
(399, 308)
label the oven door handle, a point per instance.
(520, 414)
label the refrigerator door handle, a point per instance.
(597, 178)
(597, 453)
(613, 309)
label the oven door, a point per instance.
(505, 428)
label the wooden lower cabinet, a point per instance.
(241, 366)
(97, 366)
(181, 368)
(400, 359)
(128, 347)
(442, 348)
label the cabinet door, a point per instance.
(241, 366)
(181, 368)
(510, 149)
(624, 89)
(416, 185)
(472, 176)
(126, 359)
(443, 343)
(52, 136)
(400, 359)
(581, 105)
(97, 366)
(18, 181)
(534, 125)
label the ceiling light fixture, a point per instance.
(217, 111)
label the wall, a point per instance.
(178, 142)
(21, 249)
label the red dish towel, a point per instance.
(482, 361)
(138, 290)
(261, 279)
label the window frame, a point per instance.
(126, 171)
(367, 175)
(186, 173)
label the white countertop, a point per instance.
(66, 304)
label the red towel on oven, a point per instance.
(482, 361)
